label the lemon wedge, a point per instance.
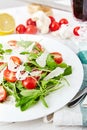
(7, 24)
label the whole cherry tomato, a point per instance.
(31, 29)
(3, 94)
(30, 22)
(20, 29)
(75, 30)
(54, 26)
(57, 57)
(29, 83)
(63, 21)
(10, 76)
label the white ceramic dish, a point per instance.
(57, 99)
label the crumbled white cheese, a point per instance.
(65, 32)
(54, 73)
(35, 73)
(31, 47)
(19, 75)
(41, 60)
(42, 21)
(12, 66)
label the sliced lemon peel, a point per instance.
(7, 24)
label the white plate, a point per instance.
(57, 99)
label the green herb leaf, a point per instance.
(24, 44)
(50, 62)
(8, 51)
(28, 105)
(24, 53)
(67, 71)
(2, 51)
(2, 66)
(43, 101)
(26, 93)
(1, 46)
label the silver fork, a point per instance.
(78, 98)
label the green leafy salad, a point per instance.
(29, 73)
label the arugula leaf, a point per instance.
(26, 93)
(8, 51)
(1, 57)
(62, 65)
(24, 44)
(43, 101)
(50, 62)
(2, 51)
(32, 56)
(19, 85)
(67, 71)
(28, 104)
(24, 53)
(1, 46)
(27, 67)
(2, 66)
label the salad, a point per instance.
(29, 73)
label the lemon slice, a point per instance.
(7, 24)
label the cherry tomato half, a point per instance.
(30, 22)
(16, 60)
(20, 29)
(54, 26)
(39, 47)
(12, 42)
(3, 94)
(63, 21)
(52, 18)
(1, 63)
(29, 83)
(75, 30)
(31, 29)
(57, 57)
(9, 75)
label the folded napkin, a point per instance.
(76, 116)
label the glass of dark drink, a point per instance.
(79, 9)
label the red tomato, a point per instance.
(20, 29)
(31, 29)
(3, 94)
(63, 21)
(39, 47)
(75, 30)
(52, 18)
(30, 22)
(29, 83)
(54, 26)
(57, 57)
(9, 75)
(1, 63)
(12, 42)
(16, 60)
